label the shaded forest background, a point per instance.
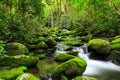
(21, 20)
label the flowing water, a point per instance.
(103, 70)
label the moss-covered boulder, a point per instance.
(46, 66)
(27, 76)
(84, 78)
(42, 45)
(16, 49)
(99, 45)
(73, 67)
(12, 73)
(19, 60)
(51, 42)
(63, 57)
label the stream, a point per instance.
(102, 70)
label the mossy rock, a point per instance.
(116, 41)
(99, 46)
(42, 38)
(42, 45)
(73, 67)
(31, 46)
(68, 39)
(39, 51)
(46, 66)
(63, 57)
(41, 56)
(115, 46)
(12, 73)
(51, 42)
(73, 43)
(84, 78)
(27, 76)
(19, 60)
(74, 52)
(16, 49)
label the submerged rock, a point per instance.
(16, 49)
(99, 46)
(71, 68)
(27, 76)
(63, 57)
(12, 73)
(19, 60)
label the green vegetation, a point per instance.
(12, 73)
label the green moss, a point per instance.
(42, 45)
(19, 60)
(46, 66)
(84, 78)
(63, 57)
(72, 67)
(51, 42)
(116, 41)
(41, 56)
(68, 39)
(115, 46)
(16, 49)
(74, 52)
(99, 45)
(39, 51)
(27, 76)
(12, 73)
(73, 43)
(1, 79)
(42, 38)
(64, 77)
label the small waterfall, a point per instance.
(103, 70)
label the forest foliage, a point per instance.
(22, 19)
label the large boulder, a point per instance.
(27, 76)
(73, 67)
(16, 49)
(99, 46)
(19, 60)
(11, 74)
(63, 57)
